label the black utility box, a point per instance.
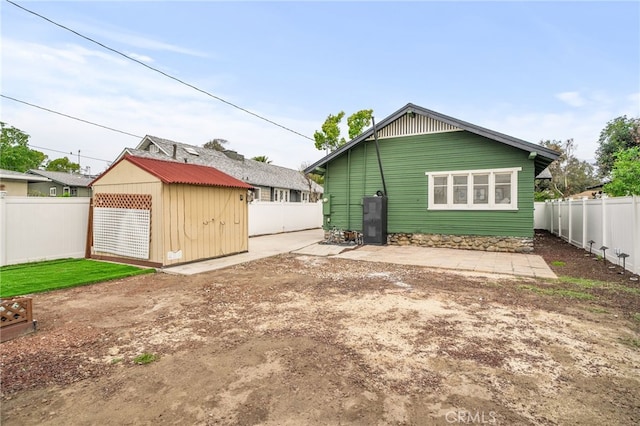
(374, 220)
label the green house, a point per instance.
(444, 183)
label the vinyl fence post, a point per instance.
(3, 230)
(635, 250)
(584, 223)
(570, 220)
(604, 223)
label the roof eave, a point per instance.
(544, 156)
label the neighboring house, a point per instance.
(16, 184)
(592, 192)
(60, 184)
(270, 182)
(447, 183)
(159, 213)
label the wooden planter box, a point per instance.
(16, 318)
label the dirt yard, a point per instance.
(299, 340)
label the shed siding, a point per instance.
(405, 161)
(204, 222)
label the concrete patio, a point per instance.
(309, 243)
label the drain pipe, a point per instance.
(375, 136)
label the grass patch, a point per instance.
(558, 263)
(116, 360)
(636, 317)
(585, 283)
(27, 278)
(571, 294)
(635, 343)
(145, 358)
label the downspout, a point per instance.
(349, 189)
(375, 136)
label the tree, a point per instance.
(619, 134)
(358, 121)
(216, 144)
(312, 177)
(262, 159)
(15, 153)
(329, 138)
(62, 165)
(625, 174)
(569, 175)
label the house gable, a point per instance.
(399, 124)
(413, 124)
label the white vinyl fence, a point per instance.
(41, 228)
(273, 218)
(610, 222)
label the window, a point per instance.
(305, 197)
(66, 191)
(256, 194)
(281, 195)
(439, 190)
(53, 191)
(474, 189)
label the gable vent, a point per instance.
(413, 125)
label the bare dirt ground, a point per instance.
(299, 340)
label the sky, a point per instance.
(532, 70)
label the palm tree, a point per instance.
(262, 159)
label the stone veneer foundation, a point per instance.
(467, 242)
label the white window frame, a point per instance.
(53, 191)
(305, 196)
(281, 195)
(491, 205)
(66, 191)
(256, 194)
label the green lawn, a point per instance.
(27, 278)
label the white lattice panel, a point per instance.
(124, 232)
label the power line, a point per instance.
(70, 116)
(70, 153)
(158, 71)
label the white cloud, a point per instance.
(574, 99)
(141, 58)
(117, 93)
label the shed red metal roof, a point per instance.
(189, 174)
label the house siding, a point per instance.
(405, 160)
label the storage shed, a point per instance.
(161, 213)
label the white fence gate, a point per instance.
(41, 228)
(609, 222)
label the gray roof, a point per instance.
(253, 172)
(544, 157)
(65, 178)
(11, 175)
(545, 174)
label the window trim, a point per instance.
(53, 191)
(490, 205)
(285, 195)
